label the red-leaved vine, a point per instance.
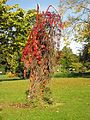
(40, 50)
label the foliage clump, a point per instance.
(40, 51)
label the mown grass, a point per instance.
(71, 94)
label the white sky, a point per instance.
(75, 47)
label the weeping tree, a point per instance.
(41, 50)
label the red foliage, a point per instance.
(38, 42)
(40, 50)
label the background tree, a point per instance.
(69, 62)
(85, 56)
(15, 25)
(77, 23)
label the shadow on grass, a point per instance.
(57, 75)
(4, 78)
(72, 75)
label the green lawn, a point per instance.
(72, 94)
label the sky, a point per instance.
(31, 4)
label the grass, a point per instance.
(73, 95)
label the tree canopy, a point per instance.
(76, 17)
(15, 25)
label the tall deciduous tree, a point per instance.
(15, 25)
